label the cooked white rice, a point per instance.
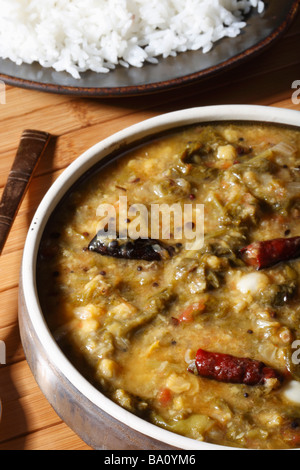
(80, 35)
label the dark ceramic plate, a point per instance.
(261, 32)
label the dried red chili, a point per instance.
(267, 253)
(232, 369)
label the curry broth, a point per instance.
(133, 326)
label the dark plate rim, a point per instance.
(131, 90)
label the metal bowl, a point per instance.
(100, 422)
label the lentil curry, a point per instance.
(200, 342)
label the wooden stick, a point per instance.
(31, 148)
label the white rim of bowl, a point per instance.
(63, 184)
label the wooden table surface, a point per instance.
(28, 421)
